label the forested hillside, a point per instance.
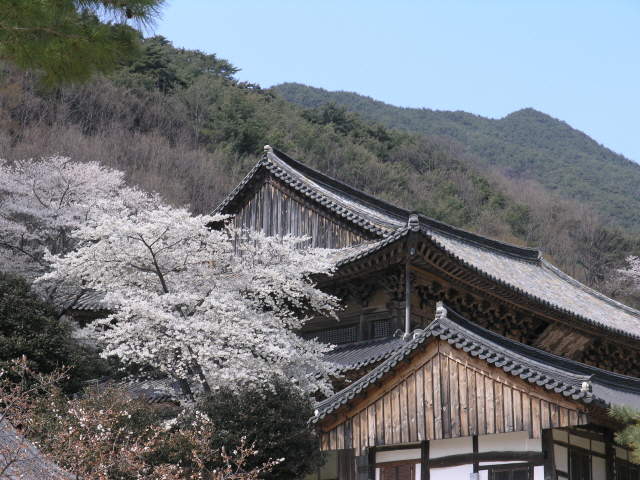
(179, 123)
(524, 144)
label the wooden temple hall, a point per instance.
(461, 357)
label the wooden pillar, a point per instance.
(363, 333)
(549, 455)
(476, 464)
(347, 464)
(407, 297)
(424, 461)
(366, 465)
(610, 454)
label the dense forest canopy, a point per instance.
(179, 123)
(524, 144)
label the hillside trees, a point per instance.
(630, 435)
(71, 40)
(525, 144)
(191, 141)
(186, 304)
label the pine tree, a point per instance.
(71, 40)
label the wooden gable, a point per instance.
(445, 393)
(278, 210)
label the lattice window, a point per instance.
(580, 465)
(627, 470)
(505, 473)
(401, 472)
(381, 328)
(335, 336)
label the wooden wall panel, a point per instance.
(277, 214)
(447, 397)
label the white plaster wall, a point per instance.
(598, 446)
(561, 435)
(580, 441)
(621, 453)
(598, 468)
(509, 442)
(462, 472)
(450, 446)
(562, 457)
(396, 455)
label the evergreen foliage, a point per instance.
(67, 40)
(274, 419)
(630, 435)
(178, 123)
(29, 327)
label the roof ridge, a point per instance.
(466, 324)
(365, 343)
(541, 300)
(272, 155)
(402, 213)
(526, 253)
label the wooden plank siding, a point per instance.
(277, 213)
(447, 394)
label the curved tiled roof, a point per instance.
(28, 463)
(353, 356)
(89, 300)
(550, 371)
(542, 282)
(518, 268)
(154, 386)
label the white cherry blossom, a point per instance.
(189, 304)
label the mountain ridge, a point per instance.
(526, 143)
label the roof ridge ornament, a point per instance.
(414, 221)
(268, 148)
(441, 311)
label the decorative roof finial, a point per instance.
(441, 311)
(414, 221)
(268, 148)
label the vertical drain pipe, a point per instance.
(414, 225)
(407, 293)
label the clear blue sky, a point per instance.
(577, 60)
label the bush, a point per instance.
(275, 420)
(29, 327)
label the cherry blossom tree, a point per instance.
(632, 273)
(42, 204)
(189, 304)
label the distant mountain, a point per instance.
(526, 143)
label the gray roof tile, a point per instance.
(550, 371)
(541, 281)
(353, 356)
(24, 459)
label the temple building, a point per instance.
(462, 357)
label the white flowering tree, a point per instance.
(185, 303)
(632, 273)
(43, 202)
